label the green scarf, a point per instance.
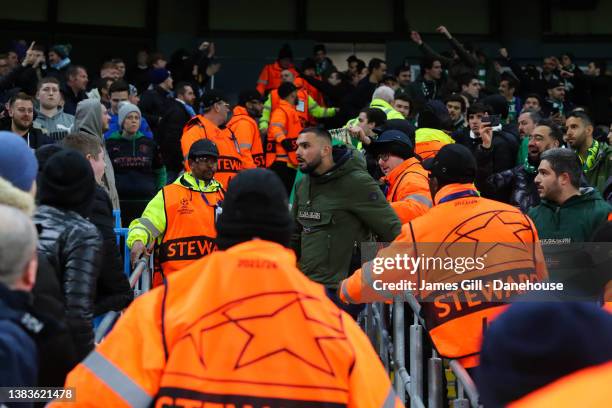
(529, 168)
(588, 164)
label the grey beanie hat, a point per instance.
(125, 109)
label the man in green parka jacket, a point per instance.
(337, 206)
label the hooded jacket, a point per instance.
(598, 175)
(334, 213)
(524, 192)
(88, 119)
(55, 127)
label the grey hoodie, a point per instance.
(88, 119)
(55, 127)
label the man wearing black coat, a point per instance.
(154, 102)
(168, 136)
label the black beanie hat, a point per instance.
(255, 206)
(535, 343)
(67, 182)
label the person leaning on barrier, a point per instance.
(406, 181)
(181, 217)
(240, 327)
(460, 223)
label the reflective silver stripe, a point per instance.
(279, 134)
(149, 225)
(390, 400)
(117, 381)
(418, 197)
(282, 155)
(140, 227)
(345, 293)
(279, 124)
(245, 145)
(262, 81)
(366, 273)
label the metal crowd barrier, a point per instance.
(409, 381)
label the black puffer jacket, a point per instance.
(73, 246)
(524, 193)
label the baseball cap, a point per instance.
(203, 147)
(211, 97)
(554, 83)
(454, 163)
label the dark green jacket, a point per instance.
(602, 168)
(576, 219)
(334, 213)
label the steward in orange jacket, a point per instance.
(270, 76)
(180, 219)
(241, 327)
(206, 126)
(243, 124)
(500, 241)
(285, 126)
(406, 181)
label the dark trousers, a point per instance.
(352, 310)
(285, 173)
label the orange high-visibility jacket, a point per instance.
(589, 387)
(301, 107)
(270, 77)
(460, 222)
(249, 140)
(190, 228)
(241, 327)
(230, 159)
(408, 190)
(285, 123)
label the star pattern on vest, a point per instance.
(262, 321)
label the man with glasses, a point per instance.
(207, 126)
(21, 112)
(406, 182)
(119, 92)
(180, 219)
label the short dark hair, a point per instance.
(512, 82)
(119, 86)
(535, 116)
(404, 97)
(456, 98)
(465, 79)
(555, 130)
(479, 108)
(375, 63)
(375, 115)
(83, 143)
(47, 80)
(582, 116)
(107, 65)
(319, 47)
(534, 95)
(402, 68)
(319, 131)
(564, 161)
(20, 96)
(427, 63)
(156, 56)
(285, 89)
(181, 88)
(601, 64)
(117, 61)
(73, 70)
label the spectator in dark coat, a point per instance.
(18, 324)
(21, 112)
(72, 244)
(113, 290)
(497, 151)
(170, 130)
(154, 102)
(76, 85)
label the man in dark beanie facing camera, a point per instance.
(69, 241)
(244, 314)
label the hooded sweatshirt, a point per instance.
(88, 119)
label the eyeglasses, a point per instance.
(205, 159)
(383, 157)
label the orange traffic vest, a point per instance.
(241, 328)
(301, 107)
(461, 223)
(589, 387)
(270, 77)
(285, 123)
(408, 190)
(249, 140)
(230, 158)
(190, 228)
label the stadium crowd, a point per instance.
(278, 192)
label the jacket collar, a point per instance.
(394, 174)
(189, 181)
(450, 189)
